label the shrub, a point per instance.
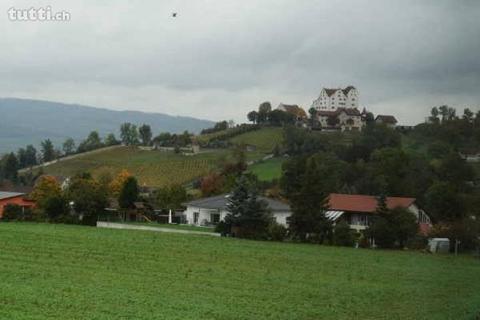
(343, 235)
(222, 228)
(393, 227)
(277, 232)
(466, 231)
(419, 242)
(56, 208)
(12, 212)
(383, 232)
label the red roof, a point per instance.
(364, 203)
(348, 111)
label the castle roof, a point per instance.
(345, 91)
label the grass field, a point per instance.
(268, 170)
(265, 139)
(154, 168)
(74, 272)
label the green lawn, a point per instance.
(74, 272)
(268, 170)
(264, 139)
(153, 168)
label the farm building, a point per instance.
(17, 198)
(293, 109)
(210, 211)
(358, 210)
(388, 120)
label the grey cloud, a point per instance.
(225, 56)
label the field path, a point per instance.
(113, 225)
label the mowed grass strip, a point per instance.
(74, 272)
(153, 168)
(268, 170)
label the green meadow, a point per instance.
(75, 272)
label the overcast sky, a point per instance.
(220, 58)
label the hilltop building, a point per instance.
(388, 120)
(293, 109)
(332, 99)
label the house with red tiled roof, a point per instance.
(358, 210)
(344, 119)
(16, 198)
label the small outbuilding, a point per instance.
(439, 245)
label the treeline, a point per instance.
(84, 199)
(219, 126)
(220, 140)
(266, 116)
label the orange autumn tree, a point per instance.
(46, 188)
(117, 184)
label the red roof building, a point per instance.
(20, 199)
(358, 210)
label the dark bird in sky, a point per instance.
(174, 14)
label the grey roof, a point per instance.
(7, 195)
(220, 202)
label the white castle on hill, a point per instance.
(332, 99)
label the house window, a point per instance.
(195, 217)
(215, 218)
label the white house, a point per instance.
(332, 99)
(212, 210)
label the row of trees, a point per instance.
(83, 199)
(265, 115)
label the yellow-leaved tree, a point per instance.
(117, 184)
(46, 188)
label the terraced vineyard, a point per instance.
(153, 168)
(157, 168)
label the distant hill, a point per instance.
(25, 122)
